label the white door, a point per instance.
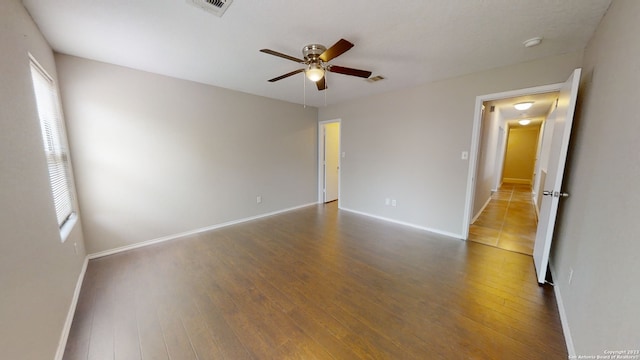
(331, 160)
(552, 185)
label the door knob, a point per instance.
(555, 193)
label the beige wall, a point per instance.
(38, 273)
(407, 144)
(157, 156)
(522, 145)
(487, 151)
(598, 233)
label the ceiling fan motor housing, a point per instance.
(312, 52)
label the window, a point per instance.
(55, 146)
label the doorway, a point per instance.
(504, 208)
(329, 161)
(555, 138)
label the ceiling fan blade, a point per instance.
(349, 71)
(284, 56)
(336, 50)
(286, 75)
(321, 84)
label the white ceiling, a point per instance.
(409, 42)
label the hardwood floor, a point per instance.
(509, 221)
(315, 283)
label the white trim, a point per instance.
(563, 316)
(439, 232)
(475, 142)
(72, 310)
(67, 226)
(517, 181)
(191, 232)
(534, 200)
(321, 175)
(481, 210)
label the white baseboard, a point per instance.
(435, 231)
(517, 181)
(72, 310)
(188, 233)
(563, 316)
(476, 216)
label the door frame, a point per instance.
(475, 142)
(321, 174)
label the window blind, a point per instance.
(54, 140)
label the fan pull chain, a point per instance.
(304, 91)
(326, 88)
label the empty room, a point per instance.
(232, 179)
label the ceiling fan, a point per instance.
(316, 61)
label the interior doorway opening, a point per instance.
(329, 161)
(509, 170)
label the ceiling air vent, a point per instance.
(216, 7)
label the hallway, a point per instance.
(509, 221)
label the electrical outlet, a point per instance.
(465, 155)
(258, 199)
(393, 202)
(387, 201)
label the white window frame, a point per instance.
(55, 147)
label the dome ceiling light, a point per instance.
(532, 42)
(523, 105)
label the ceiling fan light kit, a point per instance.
(315, 72)
(316, 61)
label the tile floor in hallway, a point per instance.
(509, 221)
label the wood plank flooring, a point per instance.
(315, 283)
(509, 221)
